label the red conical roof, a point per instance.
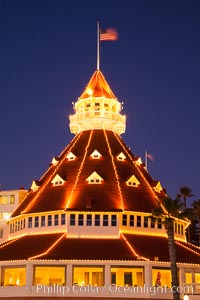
(97, 87)
(113, 194)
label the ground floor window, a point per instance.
(85, 275)
(49, 275)
(188, 277)
(197, 282)
(161, 277)
(125, 276)
(12, 276)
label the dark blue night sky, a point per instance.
(47, 56)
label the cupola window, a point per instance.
(133, 181)
(121, 156)
(57, 180)
(71, 156)
(94, 178)
(95, 154)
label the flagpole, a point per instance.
(98, 46)
(145, 157)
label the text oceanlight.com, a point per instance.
(111, 289)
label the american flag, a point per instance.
(109, 34)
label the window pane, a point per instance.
(105, 220)
(30, 222)
(161, 277)
(49, 275)
(36, 221)
(131, 220)
(72, 219)
(97, 220)
(124, 220)
(49, 220)
(127, 276)
(13, 276)
(42, 221)
(146, 221)
(113, 220)
(138, 221)
(89, 220)
(80, 219)
(62, 219)
(93, 276)
(56, 220)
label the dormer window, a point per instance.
(158, 188)
(95, 155)
(57, 180)
(54, 161)
(34, 185)
(133, 181)
(121, 156)
(71, 156)
(138, 161)
(94, 178)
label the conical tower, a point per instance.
(86, 221)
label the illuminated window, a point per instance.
(113, 220)
(72, 219)
(161, 277)
(131, 220)
(133, 181)
(30, 222)
(94, 178)
(124, 220)
(49, 275)
(95, 155)
(36, 221)
(121, 156)
(42, 221)
(62, 219)
(139, 161)
(54, 161)
(97, 220)
(127, 276)
(1, 233)
(86, 275)
(13, 276)
(105, 220)
(158, 188)
(49, 220)
(89, 220)
(56, 220)
(146, 221)
(12, 199)
(188, 277)
(57, 180)
(71, 156)
(80, 219)
(138, 221)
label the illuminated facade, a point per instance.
(84, 229)
(9, 200)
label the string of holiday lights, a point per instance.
(79, 171)
(115, 170)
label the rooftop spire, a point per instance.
(97, 108)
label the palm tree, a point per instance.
(184, 193)
(168, 212)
